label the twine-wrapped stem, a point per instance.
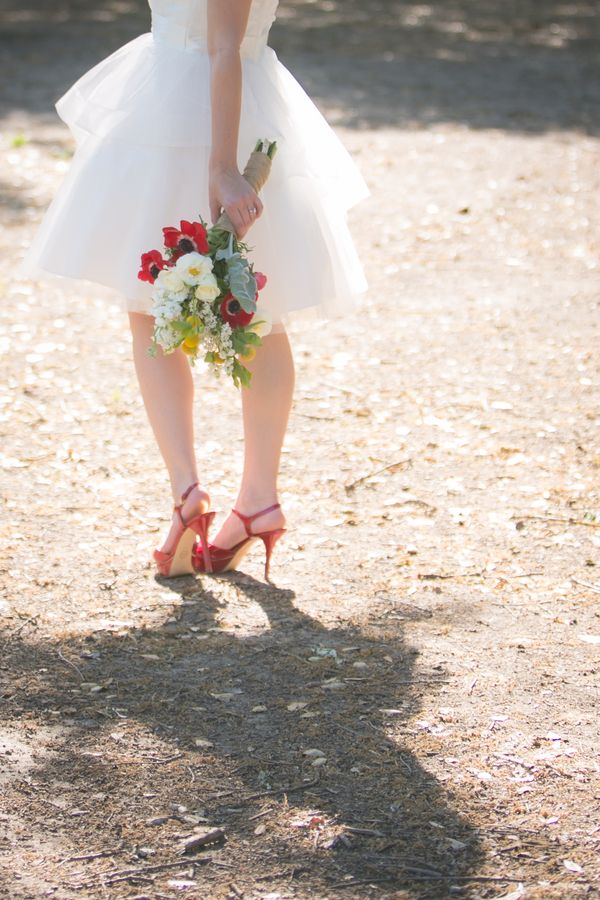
(256, 173)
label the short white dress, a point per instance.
(141, 120)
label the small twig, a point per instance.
(112, 877)
(370, 831)
(90, 855)
(569, 521)
(483, 878)
(391, 467)
(424, 875)
(586, 584)
(163, 759)
(18, 630)
(301, 786)
(151, 526)
(430, 576)
(259, 815)
(340, 885)
(523, 575)
(293, 787)
(73, 666)
(343, 388)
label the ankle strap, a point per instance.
(186, 492)
(248, 519)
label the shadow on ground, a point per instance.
(528, 67)
(372, 813)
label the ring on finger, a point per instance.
(252, 210)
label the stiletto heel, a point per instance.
(221, 559)
(269, 539)
(179, 561)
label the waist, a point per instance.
(167, 33)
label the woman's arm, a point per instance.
(228, 189)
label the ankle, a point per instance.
(197, 493)
(250, 501)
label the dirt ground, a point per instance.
(410, 709)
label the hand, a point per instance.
(228, 190)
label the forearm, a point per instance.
(226, 103)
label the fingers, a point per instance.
(244, 214)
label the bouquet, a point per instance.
(206, 290)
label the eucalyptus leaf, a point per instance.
(242, 282)
(224, 253)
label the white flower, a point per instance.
(166, 337)
(207, 288)
(165, 307)
(193, 267)
(171, 282)
(261, 322)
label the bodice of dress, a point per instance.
(183, 24)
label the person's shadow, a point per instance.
(290, 735)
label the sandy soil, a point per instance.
(432, 633)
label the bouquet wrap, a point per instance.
(256, 173)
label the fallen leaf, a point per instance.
(572, 866)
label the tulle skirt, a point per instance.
(142, 125)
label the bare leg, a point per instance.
(266, 407)
(168, 391)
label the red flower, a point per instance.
(232, 312)
(261, 280)
(189, 237)
(152, 263)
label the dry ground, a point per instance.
(432, 629)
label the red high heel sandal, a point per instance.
(179, 560)
(222, 560)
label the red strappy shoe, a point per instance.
(179, 560)
(222, 559)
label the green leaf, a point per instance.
(241, 372)
(237, 341)
(242, 282)
(253, 338)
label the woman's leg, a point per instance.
(266, 405)
(167, 390)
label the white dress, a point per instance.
(142, 126)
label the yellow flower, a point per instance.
(248, 354)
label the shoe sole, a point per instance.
(182, 561)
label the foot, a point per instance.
(232, 530)
(196, 502)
